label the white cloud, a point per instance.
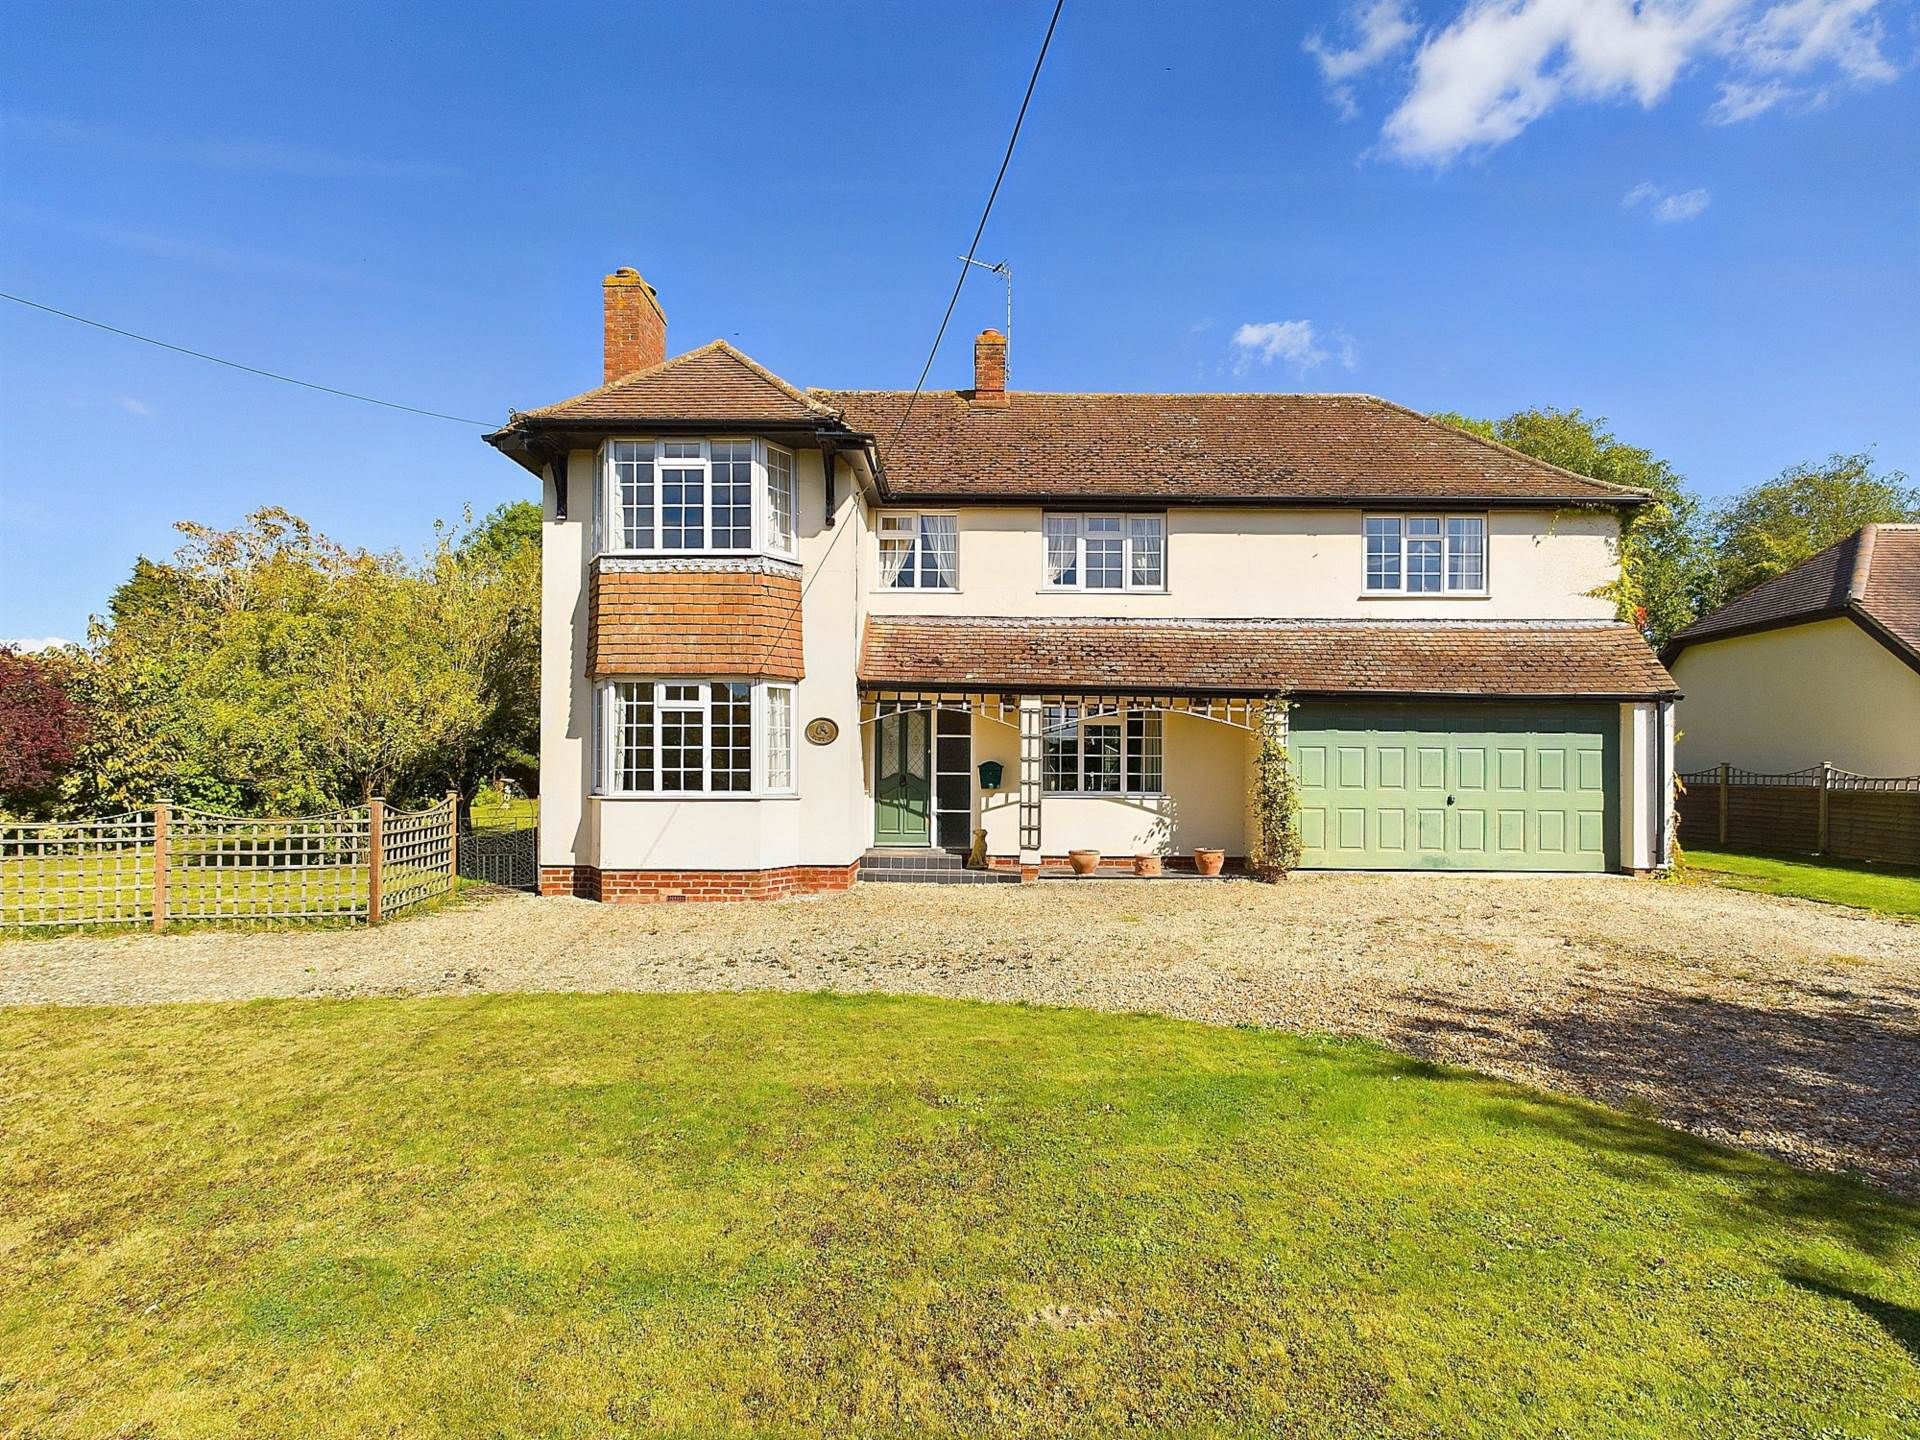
(1294, 341)
(39, 642)
(1382, 29)
(1667, 206)
(1743, 99)
(134, 406)
(1481, 79)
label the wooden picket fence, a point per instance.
(1821, 810)
(175, 864)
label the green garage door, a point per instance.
(1458, 787)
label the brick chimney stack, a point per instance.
(636, 326)
(990, 369)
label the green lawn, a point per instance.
(588, 1216)
(1886, 888)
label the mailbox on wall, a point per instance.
(990, 774)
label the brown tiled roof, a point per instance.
(1266, 449)
(1550, 659)
(714, 383)
(1872, 576)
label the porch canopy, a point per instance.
(1465, 659)
(1226, 669)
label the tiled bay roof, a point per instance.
(714, 383)
(1873, 576)
(1565, 659)
(1287, 449)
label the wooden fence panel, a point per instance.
(1874, 825)
(179, 864)
(1865, 817)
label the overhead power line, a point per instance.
(236, 365)
(978, 230)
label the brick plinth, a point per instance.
(646, 887)
(1110, 864)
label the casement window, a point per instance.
(1094, 752)
(681, 737)
(918, 551)
(1426, 554)
(674, 496)
(1106, 552)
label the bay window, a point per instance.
(1105, 552)
(681, 737)
(1093, 751)
(1426, 554)
(918, 551)
(673, 496)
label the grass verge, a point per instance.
(1886, 889)
(805, 1215)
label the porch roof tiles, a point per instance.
(1521, 659)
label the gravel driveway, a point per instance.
(1776, 1024)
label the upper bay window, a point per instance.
(1426, 554)
(918, 551)
(1106, 552)
(674, 496)
(681, 737)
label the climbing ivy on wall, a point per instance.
(1276, 797)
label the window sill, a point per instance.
(1426, 594)
(1082, 590)
(919, 590)
(650, 796)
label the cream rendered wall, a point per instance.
(1784, 699)
(828, 821)
(566, 707)
(1205, 775)
(1245, 563)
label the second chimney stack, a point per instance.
(636, 326)
(990, 369)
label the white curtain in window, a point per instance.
(1063, 549)
(896, 550)
(937, 540)
(1145, 539)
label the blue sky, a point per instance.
(1699, 219)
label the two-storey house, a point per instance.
(785, 628)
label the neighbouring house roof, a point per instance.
(714, 384)
(1112, 449)
(1569, 659)
(1872, 577)
(1260, 449)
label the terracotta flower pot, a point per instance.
(1083, 861)
(1146, 866)
(1208, 862)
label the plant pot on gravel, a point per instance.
(1208, 862)
(1083, 861)
(1146, 866)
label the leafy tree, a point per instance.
(40, 726)
(1771, 528)
(1665, 563)
(267, 667)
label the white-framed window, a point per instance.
(1426, 554)
(675, 496)
(693, 737)
(1105, 552)
(918, 550)
(1101, 752)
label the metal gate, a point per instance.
(510, 858)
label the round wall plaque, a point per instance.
(822, 731)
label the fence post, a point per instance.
(376, 823)
(162, 813)
(1826, 775)
(1726, 771)
(453, 841)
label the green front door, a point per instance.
(1457, 787)
(902, 779)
